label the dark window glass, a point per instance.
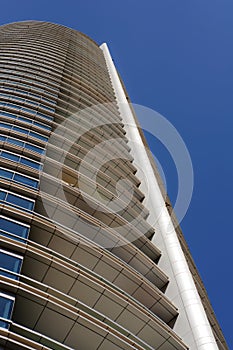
(13, 106)
(17, 98)
(42, 126)
(48, 108)
(38, 136)
(25, 120)
(2, 195)
(26, 181)
(11, 263)
(30, 163)
(6, 306)
(19, 201)
(6, 174)
(34, 148)
(32, 103)
(10, 156)
(16, 228)
(15, 142)
(4, 125)
(23, 131)
(44, 116)
(2, 138)
(5, 114)
(28, 110)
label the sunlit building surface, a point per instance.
(81, 265)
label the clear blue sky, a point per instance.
(175, 57)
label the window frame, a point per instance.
(19, 196)
(5, 322)
(12, 235)
(13, 273)
(20, 174)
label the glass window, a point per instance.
(2, 195)
(10, 156)
(34, 95)
(21, 160)
(6, 307)
(32, 103)
(17, 98)
(10, 262)
(23, 131)
(47, 108)
(30, 163)
(28, 110)
(25, 120)
(6, 174)
(23, 179)
(44, 116)
(13, 106)
(16, 228)
(22, 144)
(49, 101)
(26, 180)
(34, 148)
(5, 125)
(46, 127)
(38, 136)
(19, 201)
(15, 142)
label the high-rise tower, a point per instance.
(82, 265)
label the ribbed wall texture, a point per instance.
(74, 274)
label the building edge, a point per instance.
(202, 334)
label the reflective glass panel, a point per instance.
(16, 228)
(2, 195)
(23, 131)
(34, 148)
(10, 156)
(6, 174)
(19, 201)
(11, 263)
(15, 142)
(26, 180)
(6, 306)
(30, 163)
(5, 125)
(38, 136)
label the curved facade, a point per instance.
(79, 266)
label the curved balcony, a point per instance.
(77, 321)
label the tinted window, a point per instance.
(11, 263)
(6, 174)
(26, 180)
(6, 306)
(30, 163)
(10, 156)
(23, 131)
(34, 148)
(19, 201)
(6, 126)
(42, 126)
(16, 228)
(38, 136)
(15, 142)
(2, 195)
